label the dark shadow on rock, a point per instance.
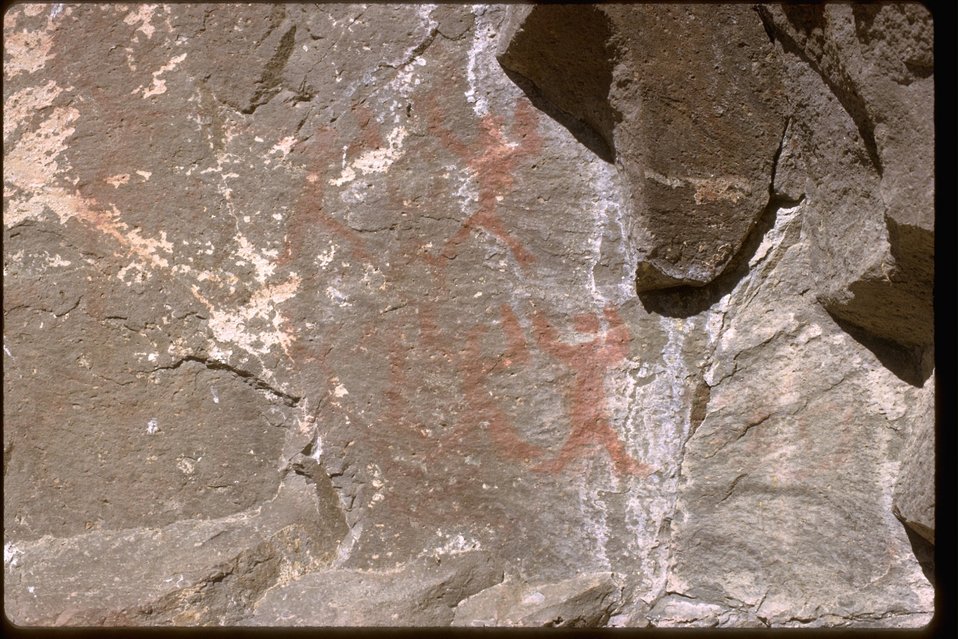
(924, 553)
(893, 316)
(579, 129)
(910, 363)
(562, 57)
(686, 301)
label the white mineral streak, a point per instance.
(453, 545)
(730, 188)
(11, 554)
(481, 62)
(666, 409)
(158, 86)
(610, 240)
(595, 517)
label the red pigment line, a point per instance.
(309, 209)
(493, 165)
(585, 394)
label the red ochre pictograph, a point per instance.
(426, 345)
(589, 362)
(493, 159)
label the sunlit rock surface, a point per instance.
(474, 315)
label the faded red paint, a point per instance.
(589, 362)
(475, 369)
(416, 344)
(493, 160)
(309, 211)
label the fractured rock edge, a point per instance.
(229, 563)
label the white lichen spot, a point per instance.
(258, 326)
(144, 174)
(261, 260)
(57, 261)
(25, 103)
(25, 51)
(186, 465)
(151, 427)
(216, 397)
(284, 146)
(142, 15)
(32, 162)
(455, 545)
(337, 296)
(11, 554)
(116, 180)
(376, 160)
(325, 258)
(340, 391)
(158, 86)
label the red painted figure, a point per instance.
(493, 159)
(589, 362)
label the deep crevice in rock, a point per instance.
(247, 376)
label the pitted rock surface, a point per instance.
(431, 315)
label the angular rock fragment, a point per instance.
(914, 498)
(694, 129)
(192, 572)
(870, 67)
(580, 602)
(421, 593)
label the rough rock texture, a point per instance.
(914, 498)
(694, 129)
(423, 592)
(583, 601)
(431, 315)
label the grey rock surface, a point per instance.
(580, 602)
(423, 592)
(426, 315)
(914, 498)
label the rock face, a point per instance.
(693, 129)
(447, 315)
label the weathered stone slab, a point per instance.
(860, 80)
(583, 601)
(694, 129)
(193, 571)
(340, 321)
(421, 593)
